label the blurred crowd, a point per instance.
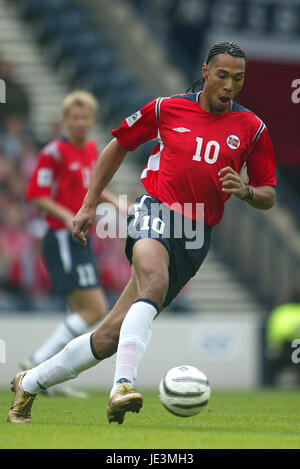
(24, 281)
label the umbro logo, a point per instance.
(181, 129)
(74, 166)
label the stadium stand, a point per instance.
(182, 24)
(74, 39)
(24, 282)
(83, 53)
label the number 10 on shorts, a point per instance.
(157, 224)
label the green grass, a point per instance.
(258, 419)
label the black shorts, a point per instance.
(149, 218)
(70, 264)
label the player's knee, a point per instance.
(153, 284)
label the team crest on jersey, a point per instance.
(133, 118)
(233, 142)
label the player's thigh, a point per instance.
(89, 300)
(151, 263)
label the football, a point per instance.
(184, 391)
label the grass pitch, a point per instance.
(258, 419)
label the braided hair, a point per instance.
(222, 47)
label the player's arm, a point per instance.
(261, 172)
(108, 197)
(48, 205)
(134, 131)
(107, 164)
(263, 196)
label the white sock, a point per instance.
(135, 334)
(73, 326)
(77, 356)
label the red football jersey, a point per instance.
(63, 173)
(193, 145)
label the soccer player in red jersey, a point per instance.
(57, 188)
(204, 140)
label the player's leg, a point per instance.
(149, 279)
(89, 303)
(79, 355)
(73, 273)
(150, 261)
(162, 267)
(88, 306)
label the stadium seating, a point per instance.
(98, 61)
(95, 65)
(75, 40)
(182, 24)
(37, 9)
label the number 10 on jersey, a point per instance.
(211, 151)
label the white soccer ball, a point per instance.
(184, 391)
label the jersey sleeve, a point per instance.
(45, 174)
(138, 128)
(261, 162)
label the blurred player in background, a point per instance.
(204, 140)
(57, 188)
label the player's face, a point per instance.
(224, 78)
(78, 122)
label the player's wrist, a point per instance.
(89, 204)
(248, 192)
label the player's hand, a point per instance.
(81, 223)
(231, 182)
